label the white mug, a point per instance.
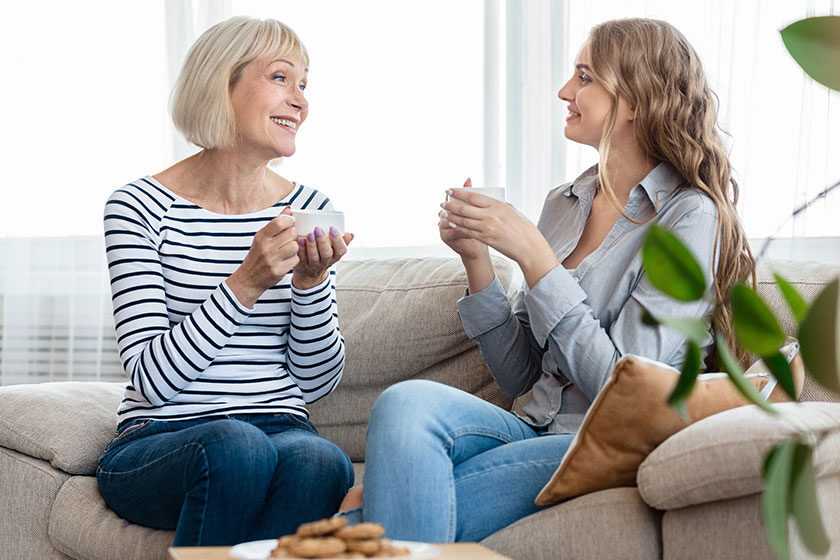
(307, 220)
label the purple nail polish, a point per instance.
(302, 241)
(333, 231)
(311, 237)
(319, 232)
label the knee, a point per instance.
(328, 464)
(234, 449)
(404, 410)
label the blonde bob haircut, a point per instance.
(200, 105)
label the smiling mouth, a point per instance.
(285, 122)
(572, 114)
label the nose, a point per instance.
(298, 100)
(566, 92)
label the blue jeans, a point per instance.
(223, 480)
(442, 465)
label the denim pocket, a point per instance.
(302, 423)
(128, 433)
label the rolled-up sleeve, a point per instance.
(509, 349)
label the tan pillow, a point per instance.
(630, 418)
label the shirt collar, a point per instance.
(657, 185)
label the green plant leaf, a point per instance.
(819, 337)
(795, 301)
(688, 376)
(780, 368)
(671, 267)
(814, 43)
(803, 501)
(736, 374)
(775, 501)
(756, 327)
(694, 330)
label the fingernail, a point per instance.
(333, 231)
(302, 241)
(453, 226)
(468, 182)
(443, 205)
(444, 213)
(311, 237)
(319, 232)
(449, 192)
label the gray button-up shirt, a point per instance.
(562, 338)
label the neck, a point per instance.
(230, 182)
(626, 166)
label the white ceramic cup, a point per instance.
(493, 192)
(307, 220)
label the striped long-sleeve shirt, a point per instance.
(188, 346)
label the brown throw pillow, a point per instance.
(630, 418)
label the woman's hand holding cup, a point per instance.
(468, 248)
(317, 252)
(273, 253)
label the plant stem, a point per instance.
(797, 211)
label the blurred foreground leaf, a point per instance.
(778, 467)
(797, 305)
(819, 337)
(814, 43)
(670, 266)
(803, 501)
(736, 374)
(688, 376)
(756, 327)
(780, 368)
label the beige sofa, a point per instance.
(697, 494)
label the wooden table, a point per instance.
(453, 551)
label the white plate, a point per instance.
(260, 550)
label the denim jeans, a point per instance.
(443, 465)
(223, 480)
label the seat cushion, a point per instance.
(67, 423)
(82, 526)
(399, 319)
(613, 523)
(721, 457)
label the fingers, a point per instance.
(454, 206)
(278, 225)
(472, 198)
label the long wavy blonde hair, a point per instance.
(654, 68)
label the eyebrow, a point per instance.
(582, 67)
(289, 62)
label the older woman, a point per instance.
(226, 319)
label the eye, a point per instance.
(584, 79)
(279, 77)
(302, 87)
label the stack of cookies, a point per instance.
(333, 538)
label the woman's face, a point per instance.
(589, 105)
(269, 105)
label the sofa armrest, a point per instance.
(68, 423)
(721, 456)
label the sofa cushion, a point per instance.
(399, 319)
(82, 526)
(613, 523)
(28, 487)
(631, 416)
(809, 279)
(67, 423)
(721, 457)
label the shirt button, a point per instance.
(577, 279)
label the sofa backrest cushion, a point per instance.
(66, 423)
(399, 320)
(809, 279)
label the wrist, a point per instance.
(538, 263)
(306, 282)
(245, 294)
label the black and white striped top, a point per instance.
(188, 346)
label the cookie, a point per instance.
(351, 555)
(365, 546)
(322, 527)
(322, 547)
(361, 531)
